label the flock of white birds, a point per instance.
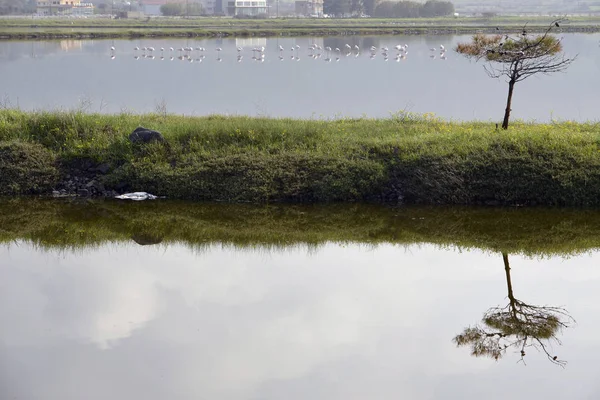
(198, 54)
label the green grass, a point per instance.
(25, 28)
(413, 158)
(54, 224)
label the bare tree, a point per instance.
(517, 58)
(518, 326)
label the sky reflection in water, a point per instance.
(333, 322)
(75, 74)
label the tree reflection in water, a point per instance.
(518, 325)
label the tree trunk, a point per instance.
(508, 280)
(511, 86)
(511, 296)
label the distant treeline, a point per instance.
(413, 9)
(388, 9)
(342, 8)
(177, 9)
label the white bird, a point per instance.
(432, 49)
(136, 48)
(348, 46)
(281, 48)
(356, 47)
(442, 48)
(112, 48)
(239, 49)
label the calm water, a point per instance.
(75, 74)
(221, 308)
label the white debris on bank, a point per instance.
(137, 196)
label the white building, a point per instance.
(247, 7)
(64, 7)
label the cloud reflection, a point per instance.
(156, 322)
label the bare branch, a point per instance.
(517, 58)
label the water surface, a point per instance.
(73, 74)
(171, 300)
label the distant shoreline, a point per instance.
(54, 29)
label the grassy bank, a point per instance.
(78, 224)
(209, 27)
(411, 159)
